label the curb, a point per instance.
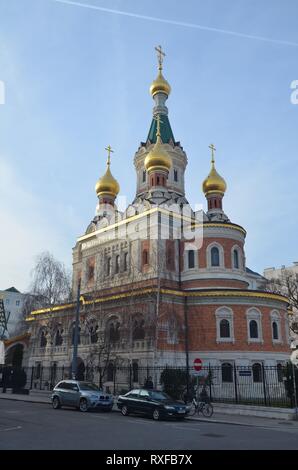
(25, 401)
(202, 420)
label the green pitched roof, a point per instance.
(165, 130)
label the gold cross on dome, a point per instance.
(109, 150)
(213, 149)
(159, 122)
(160, 56)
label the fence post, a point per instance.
(295, 390)
(40, 378)
(264, 385)
(235, 384)
(114, 378)
(32, 375)
(210, 382)
(130, 376)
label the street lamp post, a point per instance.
(74, 365)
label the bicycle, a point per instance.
(200, 407)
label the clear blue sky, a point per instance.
(77, 79)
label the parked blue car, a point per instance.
(81, 395)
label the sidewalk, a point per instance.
(252, 421)
(217, 418)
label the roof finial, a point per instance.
(160, 56)
(213, 149)
(109, 150)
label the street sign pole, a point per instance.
(74, 365)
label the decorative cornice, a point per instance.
(191, 221)
(202, 293)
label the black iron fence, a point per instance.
(254, 385)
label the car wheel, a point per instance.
(156, 414)
(124, 410)
(56, 403)
(83, 405)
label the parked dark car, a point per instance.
(80, 395)
(153, 403)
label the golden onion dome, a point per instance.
(107, 184)
(160, 85)
(214, 183)
(158, 158)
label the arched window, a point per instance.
(144, 176)
(226, 372)
(109, 266)
(93, 334)
(43, 340)
(253, 329)
(275, 330)
(224, 329)
(114, 332)
(175, 175)
(191, 259)
(145, 257)
(135, 372)
(215, 256)
(138, 330)
(125, 261)
(117, 267)
(257, 372)
(58, 338)
(236, 259)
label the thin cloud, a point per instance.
(178, 23)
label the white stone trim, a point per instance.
(221, 256)
(186, 264)
(275, 317)
(254, 313)
(240, 258)
(224, 313)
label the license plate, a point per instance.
(181, 411)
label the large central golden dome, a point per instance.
(158, 158)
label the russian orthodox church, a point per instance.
(160, 283)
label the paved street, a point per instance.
(38, 426)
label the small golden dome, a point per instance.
(160, 85)
(107, 184)
(214, 183)
(158, 158)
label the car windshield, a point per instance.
(89, 386)
(159, 396)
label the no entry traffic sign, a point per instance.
(197, 364)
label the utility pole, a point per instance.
(74, 365)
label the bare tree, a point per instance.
(51, 282)
(99, 357)
(287, 284)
